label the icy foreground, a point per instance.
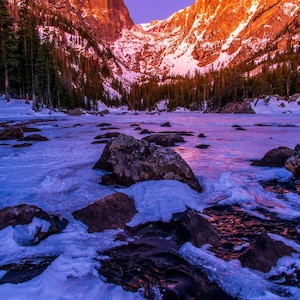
(57, 176)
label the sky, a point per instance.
(145, 11)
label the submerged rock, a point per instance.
(165, 140)
(35, 137)
(131, 160)
(112, 212)
(275, 157)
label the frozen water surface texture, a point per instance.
(57, 176)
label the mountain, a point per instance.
(98, 52)
(211, 35)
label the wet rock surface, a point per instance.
(149, 262)
(165, 140)
(25, 270)
(131, 160)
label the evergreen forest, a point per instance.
(39, 65)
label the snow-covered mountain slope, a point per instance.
(210, 35)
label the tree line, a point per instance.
(278, 75)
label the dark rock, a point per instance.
(243, 107)
(138, 128)
(293, 164)
(194, 228)
(104, 125)
(25, 270)
(264, 253)
(165, 140)
(166, 124)
(183, 133)
(24, 214)
(112, 212)
(238, 127)
(30, 129)
(145, 131)
(75, 112)
(150, 260)
(11, 133)
(297, 148)
(203, 146)
(110, 128)
(107, 135)
(133, 160)
(109, 179)
(275, 157)
(100, 142)
(104, 112)
(134, 125)
(202, 135)
(35, 137)
(77, 125)
(23, 145)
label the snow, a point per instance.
(57, 176)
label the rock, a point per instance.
(25, 270)
(11, 133)
(75, 112)
(132, 160)
(238, 127)
(202, 146)
(23, 145)
(275, 157)
(22, 215)
(30, 129)
(104, 125)
(293, 164)
(112, 212)
(35, 137)
(202, 135)
(264, 253)
(183, 133)
(145, 131)
(297, 148)
(243, 107)
(166, 124)
(165, 140)
(107, 135)
(194, 228)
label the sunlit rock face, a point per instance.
(105, 19)
(210, 35)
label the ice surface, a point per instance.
(57, 176)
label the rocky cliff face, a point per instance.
(210, 35)
(104, 19)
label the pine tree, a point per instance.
(8, 42)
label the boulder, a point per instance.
(11, 133)
(165, 140)
(31, 223)
(35, 137)
(166, 124)
(243, 107)
(23, 145)
(107, 135)
(264, 253)
(293, 164)
(275, 157)
(112, 212)
(131, 160)
(197, 230)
